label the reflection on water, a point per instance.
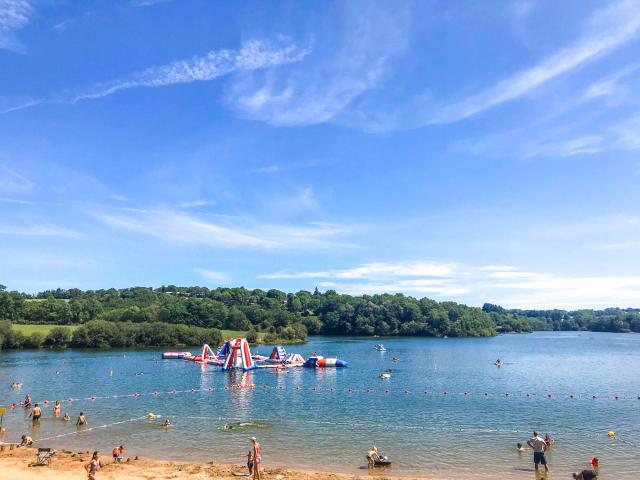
(304, 416)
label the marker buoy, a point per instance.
(612, 435)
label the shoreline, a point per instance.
(68, 465)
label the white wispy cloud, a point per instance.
(38, 231)
(607, 29)
(13, 182)
(16, 200)
(348, 60)
(197, 203)
(618, 135)
(253, 55)
(610, 85)
(502, 284)
(226, 232)
(14, 15)
(374, 270)
(212, 275)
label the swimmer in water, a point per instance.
(519, 448)
(36, 413)
(66, 417)
(81, 420)
(27, 401)
(586, 475)
(56, 409)
(166, 423)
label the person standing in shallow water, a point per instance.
(539, 448)
(257, 458)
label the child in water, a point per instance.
(519, 448)
(66, 417)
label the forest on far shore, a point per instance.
(144, 316)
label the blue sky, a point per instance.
(469, 151)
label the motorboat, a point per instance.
(379, 347)
(384, 375)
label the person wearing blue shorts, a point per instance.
(539, 448)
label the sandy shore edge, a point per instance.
(67, 465)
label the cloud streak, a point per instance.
(180, 228)
(38, 231)
(348, 60)
(607, 29)
(212, 275)
(253, 55)
(13, 182)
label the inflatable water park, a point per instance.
(235, 353)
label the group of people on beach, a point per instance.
(254, 460)
(540, 446)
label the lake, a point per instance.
(328, 419)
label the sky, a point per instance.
(469, 151)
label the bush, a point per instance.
(35, 340)
(252, 336)
(58, 337)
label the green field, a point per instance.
(44, 329)
(227, 334)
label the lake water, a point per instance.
(328, 419)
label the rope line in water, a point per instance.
(369, 391)
(85, 430)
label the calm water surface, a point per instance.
(327, 419)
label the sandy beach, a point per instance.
(67, 465)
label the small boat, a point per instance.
(379, 347)
(384, 375)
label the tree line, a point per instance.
(274, 314)
(104, 334)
